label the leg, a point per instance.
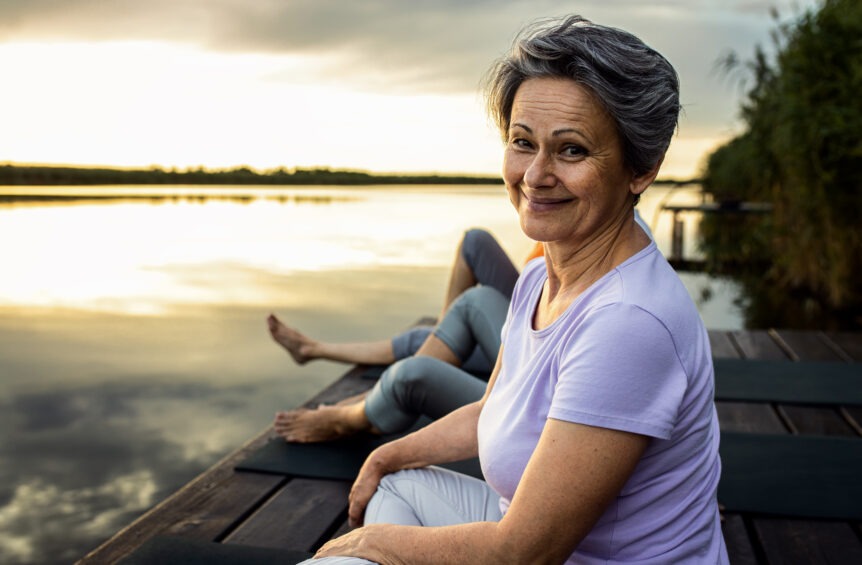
(408, 389)
(419, 386)
(426, 497)
(304, 349)
(474, 320)
(460, 279)
(480, 260)
(432, 497)
(488, 262)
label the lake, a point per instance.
(133, 346)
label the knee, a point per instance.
(474, 241)
(408, 374)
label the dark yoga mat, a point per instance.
(338, 460)
(168, 550)
(793, 476)
(786, 381)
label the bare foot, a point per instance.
(324, 423)
(299, 346)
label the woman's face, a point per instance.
(563, 164)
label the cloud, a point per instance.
(445, 44)
(79, 465)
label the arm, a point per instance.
(451, 438)
(573, 475)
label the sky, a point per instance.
(377, 85)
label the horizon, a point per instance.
(390, 88)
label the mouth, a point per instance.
(543, 204)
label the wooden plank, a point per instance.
(190, 503)
(740, 550)
(810, 346)
(853, 415)
(748, 417)
(757, 344)
(850, 343)
(816, 420)
(721, 344)
(193, 510)
(301, 516)
(801, 542)
(806, 345)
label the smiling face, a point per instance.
(563, 164)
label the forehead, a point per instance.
(558, 101)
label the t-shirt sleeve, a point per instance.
(621, 371)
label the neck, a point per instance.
(574, 265)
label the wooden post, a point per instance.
(676, 245)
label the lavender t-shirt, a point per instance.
(630, 354)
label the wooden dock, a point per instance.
(264, 510)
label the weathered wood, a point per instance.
(748, 417)
(721, 345)
(801, 542)
(816, 420)
(186, 512)
(740, 549)
(299, 516)
(806, 346)
(853, 415)
(757, 344)
(850, 343)
(195, 501)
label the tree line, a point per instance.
(801, 151)
(59, 176)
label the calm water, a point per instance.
(133, 348)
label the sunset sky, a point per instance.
(383, 85)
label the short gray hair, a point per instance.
(637, 86)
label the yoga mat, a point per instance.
(337, 460)
(787, 381)
(792, 476)
(169, 550)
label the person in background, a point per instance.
(597, 432)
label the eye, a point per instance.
(573, 151)
(520, 143)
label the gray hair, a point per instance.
(637, 86)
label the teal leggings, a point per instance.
(418, 386)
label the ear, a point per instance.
(640, 183)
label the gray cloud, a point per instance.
(443, 44)
(78, 465)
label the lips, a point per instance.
(544, 204)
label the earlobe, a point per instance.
(640, 183)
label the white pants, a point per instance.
(425, 497)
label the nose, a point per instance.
(540, 171)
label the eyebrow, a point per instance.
(554, 133)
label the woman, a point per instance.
(597, 432)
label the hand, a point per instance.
(366, 484)
(366, 543)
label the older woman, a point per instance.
(597, 432)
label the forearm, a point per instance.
(452, 438)
(387, 544)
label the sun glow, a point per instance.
(146, 258)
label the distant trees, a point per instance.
(48, 175)
(801, 151)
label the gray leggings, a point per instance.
(418, 386)
(426, 497)
(492, 268)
